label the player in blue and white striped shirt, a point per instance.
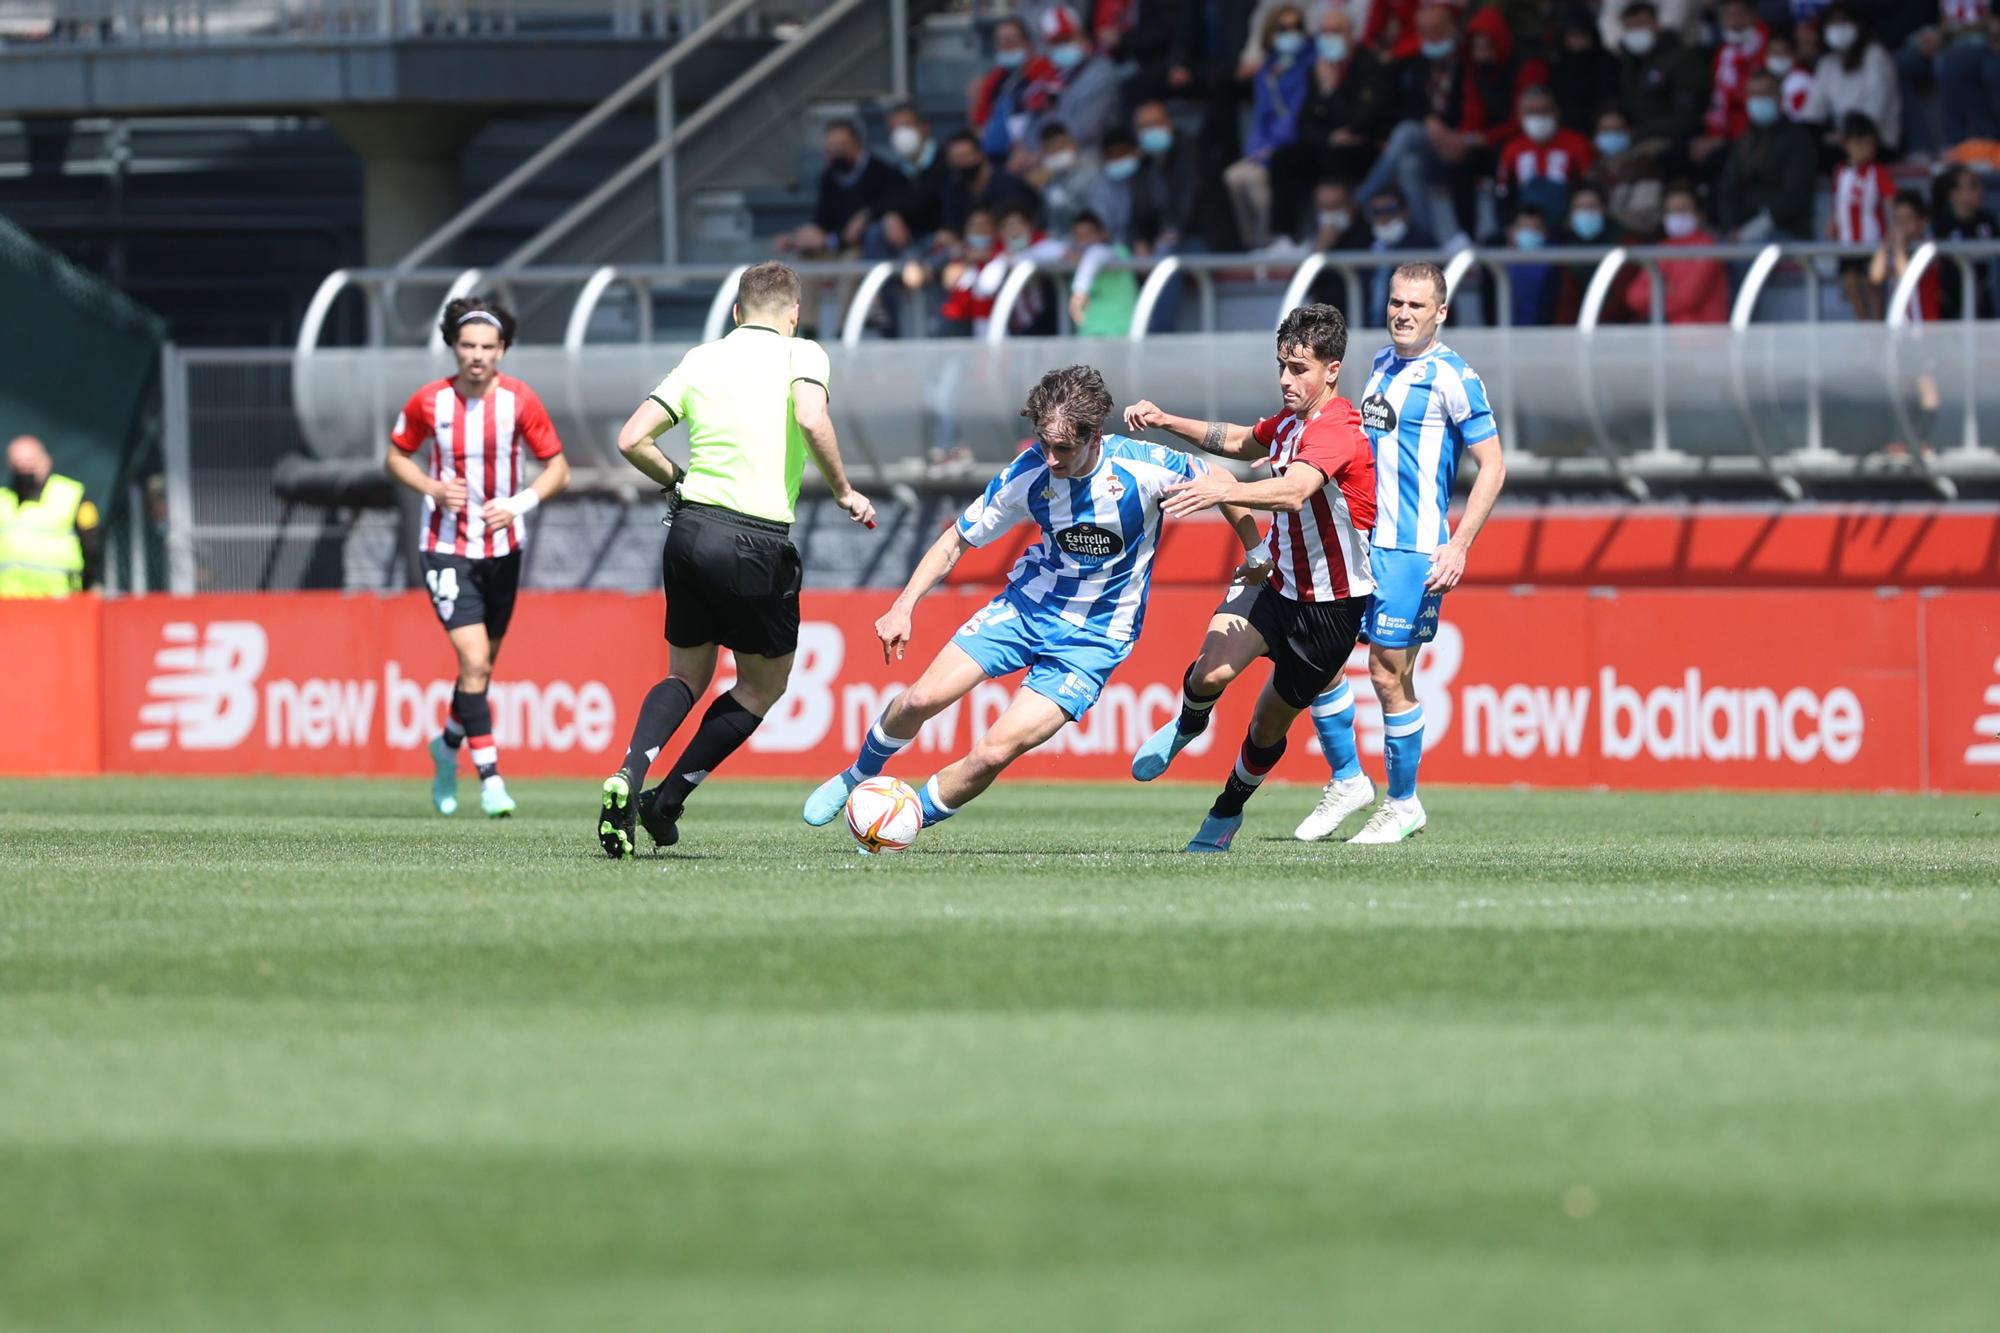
(1073, 605)
(1423, 408)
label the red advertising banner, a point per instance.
(1838, 689)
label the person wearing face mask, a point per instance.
(968, 302)
(1633, 185)
(1741, 50)
(975, 183)
(1111, 196)
(1661, 83)
(1279, 97)
(1084, 91)
(50, 541)
(1768, 180)
(1589, 221)
(1855, 75)
(1541, 164)
(1429, 92)
(1697, 290)
(1795, 80)
(855, 189)
(1064, 174)
(1534, 286)
(1672, 15)
(995, 107)
(1391, 228)
(1347, 113)
(1163, 186)
(919, 210)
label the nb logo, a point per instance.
(1986, 750)
(204, 693)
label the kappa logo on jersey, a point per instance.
(1376, 414)
(204, 695)
(1986, 750)
(1088, 541)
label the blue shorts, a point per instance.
(1402, 613)
(1066, 664)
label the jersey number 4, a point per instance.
(444, 589)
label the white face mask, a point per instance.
(908, 141)
(1639, 41)
(1539, 128)
(1840, 36)
(1061, 161)
(1680, 225)
(1779, 65)
(1392, 231)
(1335, 219)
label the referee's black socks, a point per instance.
(666, 706)
(724, 728)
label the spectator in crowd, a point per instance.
(1961, 215)
(1856, 75)
(1741, 50)
(1428, 89)
(1671, 16)
(1539, 165)
(1697, 290)
(1336, 224)
(1908, 227)
(1533, 287)
(1101, 299)
(1163, 189)
(1391, 228)
(1630, 175)
(855, 189)
(1496, 78)
(1589, 221)
(976, 183)
(997, 107)
(1661, 84)
(1969, 75)
(1784, 58)
(1144, 37)
(50, 541)
(1083, 93)
(920, 210)
(1346, 116)
(1064, 174)
(965, 308)
(1111, 196)
(1279, 95)
(1862, 188)
(1034, 313)
(1583, 76)
(1769, 178)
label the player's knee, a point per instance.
(1213, 677)
(989, 756)
(475, 671)
(759, 697)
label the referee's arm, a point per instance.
(809, 410)
(635, 441)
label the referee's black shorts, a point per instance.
(1307, 642)
(731, 579)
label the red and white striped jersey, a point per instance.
(480, 440)
(1962, 13)
(1320, 554)
(1861, 198)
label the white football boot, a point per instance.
(1394, 822)
(1336, 803)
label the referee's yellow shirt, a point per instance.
(745, 449)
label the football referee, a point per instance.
(755, 404)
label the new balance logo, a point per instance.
(1986, 750)
(204, 693)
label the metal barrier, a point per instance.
(150, 22)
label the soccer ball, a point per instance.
(883, 815)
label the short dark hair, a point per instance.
(1320, 329)
(847, 123)
(1914, 200)
(1051, 130)
(1088, 216)
(1645, 7)
(965, 136)
(1423, 271)
(1859, 125)
(767, 286)
(1074, 396)
(456, 312)
(1119, 137)
(911, 108)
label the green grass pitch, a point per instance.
(282, 1055)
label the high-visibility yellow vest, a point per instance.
(39, 553)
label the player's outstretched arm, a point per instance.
(809, 410)
(893, 626)
(635, 441)
(1215, 437)
(1448, 562)
(1286, 493)
(403, 469)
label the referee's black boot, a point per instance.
(661, 821)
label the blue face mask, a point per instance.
(1587, 223)
(1010, 59)
(1288, 43)
(1529, 240)
(1763, 110)
(1067, 56)
(1439, 50)
(1613, 141)
(1332, 47)
(1121, 168)
(1156, 139)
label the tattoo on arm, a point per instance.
(1212, 441)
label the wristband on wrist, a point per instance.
(520, 502)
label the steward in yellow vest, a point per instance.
(44, 520)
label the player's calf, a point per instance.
(1199, 691)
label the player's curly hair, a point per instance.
(457, 312)
(1075, 396)
(1320, 329)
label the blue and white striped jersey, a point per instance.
(1094, 562)
(1420, 414)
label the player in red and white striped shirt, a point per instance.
(1307, 614)
(476, 490)
(1862, 189)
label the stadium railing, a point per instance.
(143, 22)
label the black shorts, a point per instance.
(473, 592)
(731, 579)
(1308, 642)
